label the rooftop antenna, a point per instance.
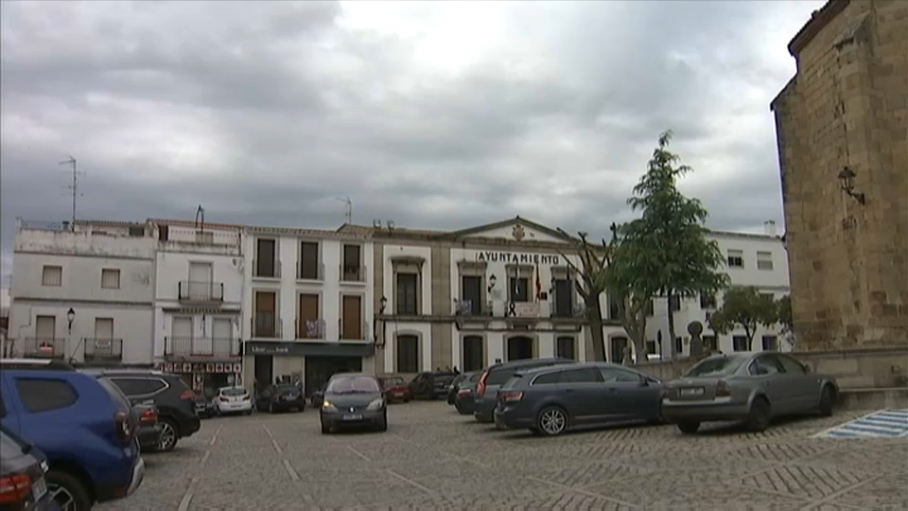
(349, 213)
(72, 188)
(200, 218)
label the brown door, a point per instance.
(308, 320)
(352, 320)
(264, 315)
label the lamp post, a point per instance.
(380, 339)
(846, 181)
(70, 317)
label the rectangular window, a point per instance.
(52, 276)
(565, 348)
(613, 311)
(137, 232)
(265, 258)
(770, 343)
(650, 307)
(709, 343)
(110, 278)
(407, 354)
(676, 303)
(707, 301)
(739, 343)
(735, 258)
(309, 264)
(564, 298)
(519, 289)
(650, 349)
(352, 318)
(265, 322)
(679, 345)
(764, 260)
(407, 299)
(471, 294)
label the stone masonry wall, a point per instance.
(848, 106)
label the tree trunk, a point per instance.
(634, 325)
(594, 313)
(671, 326)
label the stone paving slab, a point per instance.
(434, 459)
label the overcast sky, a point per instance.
(434, 115)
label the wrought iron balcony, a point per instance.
(201, 347)
(472, 308)
(266, 325)
(345, 334)
(263, 271)
(566, 311)
(352, 273)
(100, 350)
(310, 272)
(310, 329)
(191, 291)
(44, 347)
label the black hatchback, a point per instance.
(354, 399)
(22, 476)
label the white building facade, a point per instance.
(83, 295)
(470, 298)
(199, 285)
(308, 305)
(757, 260)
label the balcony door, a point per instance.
(471, 292)
(308, 320)
(199, 281)
(181, 335)
(265, 320)
(222, 336)
(352, 327)
(265, 258)
(45, 331)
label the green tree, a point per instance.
(628, 291)
(591, 274)
(674, 258)
(746, 307)
(783, 312)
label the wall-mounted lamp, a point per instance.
(383, 303)
(380, 339)
(846, 180)
(70, 316)
(492, 280)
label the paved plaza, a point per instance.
(434, 459)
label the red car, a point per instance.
(395, 388)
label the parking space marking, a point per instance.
(581, 491)
(204, 459)
(187, 497)
(293, 474)
(361, 455)
(214, 438)
(878, 424)
(268, 431)
(277, 447)
(410, 482)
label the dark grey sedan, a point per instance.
(551, 400)
(353, 399)
(750, 387)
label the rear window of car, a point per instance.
(114, 392)
(718, 366)
(390, 382)
(352, 384)
(512, 381)
(43, 395)
(458, 379)
(475, 377)
(233, 391)
(283, 389)
(500, 376)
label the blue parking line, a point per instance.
(881, 424)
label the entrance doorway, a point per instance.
(520, 348)
(619, 344)
(473, 356)
(319, 369)
(264, 372)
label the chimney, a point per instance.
(769, 228)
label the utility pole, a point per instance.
(72, 188)
(348, 215)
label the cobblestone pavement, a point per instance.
(434, 459)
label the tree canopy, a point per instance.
(745, 307)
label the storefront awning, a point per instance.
(310, 349)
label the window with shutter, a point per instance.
(52, 276)
(110, 278)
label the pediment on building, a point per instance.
(513, 229)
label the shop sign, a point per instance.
(494, 256)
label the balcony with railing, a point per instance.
(201, 347)
(261, 269)
(314, 272)
(102, 350)
(192, 291)
(266, 325)
(43, 347)
(352, 273)
(310, 329)
(472, 308)
(566, 310)
(348, 332)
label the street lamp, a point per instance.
(380, 339)
(70, 316)
(492, 280)
(383, 305)
(846, 181)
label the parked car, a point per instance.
(431, 385)
(455, 386)
(204, 407)
(353, 399)
(84, 426)
(464, 400)
(23, 486)
(486, 394)
(233, 400)
(175, 401)
(149, 433)
(750, 387)
(395, 387)
(318, 396)
(280, 398)
(551, 400)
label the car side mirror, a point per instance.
(644, 382)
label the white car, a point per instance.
(233, 400)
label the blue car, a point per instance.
(85, 428)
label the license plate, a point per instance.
(353, 417)
(398, 394)
(692, 392)
(39, 489)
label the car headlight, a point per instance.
(376, 404)
(326, 405)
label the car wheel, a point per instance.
(688, 427)
(827, 401)
(383, 425)
(325, 429)
(67, 491)
(552, 421)
(760, 415)
(168, 435)
(270, 407)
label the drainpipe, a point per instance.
(242, 270)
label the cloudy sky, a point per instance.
(434, 115)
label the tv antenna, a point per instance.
(73, 188)
(349, 212)
(200, 218)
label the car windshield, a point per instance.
(718, 366)
(233, 391)
(353, 385)
(390, 382)
(286, 389)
